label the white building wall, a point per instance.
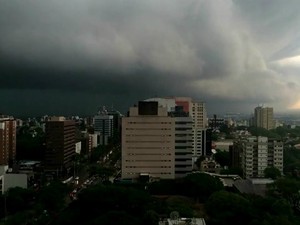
(94, 140)
(78, 147)
(12, 180)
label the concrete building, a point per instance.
(60, 145)
(11, 180)
(223, 145)
(104, 126)
(263, 117)
(197, 111)
(254, 186)
(183, 142)
(148, 142)
(258, 153)
(7, 140)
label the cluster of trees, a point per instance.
(30, 143)
(133, 204)
(27, 206)
(198, 186)
(283, 132)
(197, 195)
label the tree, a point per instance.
(222, 157)
(18, 199)
(110, 204)
(287, 188)
(200, 185)
(52, 197)
(151, 218)
(228, 208)
(103, 172)
(272, 172)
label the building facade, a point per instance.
(258, 153)
(263, 117)
(60, 145)
(148, 142)
(183, 142)
(197, 111)
(104, 126)
(7, 140)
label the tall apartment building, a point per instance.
(258, 153)
(104, 126)
(263, 117)
(7, 140)
(183, 142)
(197, 111)
(60, 145)
(148, 142)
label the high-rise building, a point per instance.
(197, 111)
(183, 142)
(104, 126)
(148, 142)
(263, 117)
(7, 140)
(60, 145)
(258, 153)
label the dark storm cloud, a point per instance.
(212, 50)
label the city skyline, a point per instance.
(64, 57)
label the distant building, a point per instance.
(7, 140)
(60, 145)
(104, 126)
(263, 117)
(148, 142)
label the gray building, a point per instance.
(258, 153)
(104, 126)
(11, 180)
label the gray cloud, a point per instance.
(122, 51)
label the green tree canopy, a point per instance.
(272, 172)
(222, 157)
(201, 185)
(287, 188)
(228, 208)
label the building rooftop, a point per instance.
(253, 186)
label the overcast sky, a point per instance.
(73, 56)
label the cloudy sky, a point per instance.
(73, 56)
